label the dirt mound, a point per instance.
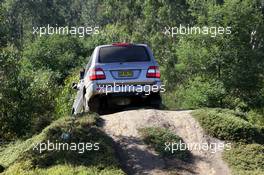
(139, 159)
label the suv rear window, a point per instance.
(112, 54)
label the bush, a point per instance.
(245, 159)
(31, 83)
(228, 125)
(57, 53)
(9, 93)
(196, 93)
(26, 96)
(256, 118)
(38, 98)
(66, 96)
(157, 137)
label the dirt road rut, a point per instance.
(140, 159)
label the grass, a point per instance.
(246, 156)
(157, 137)
(20, 158)
(19, 169)
(229, 125)
(245, 159)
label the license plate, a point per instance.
(125, 73)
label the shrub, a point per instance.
(57, 53)
(38, 98)
(26, 97)
(228, 125)
(157, 137)
(256, 118)
(245, 159)
(197, 93)
(66, 96)
(9, 93)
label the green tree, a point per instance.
(57, 53)
(10, 122)
(27, 96)
(235, 59)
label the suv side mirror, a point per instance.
(75, 86)
(82, 74)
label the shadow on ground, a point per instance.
(135, 158)
(134, 106)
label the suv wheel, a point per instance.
(154, 100)
(94, 104)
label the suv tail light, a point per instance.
(97, 74)
(153, 72)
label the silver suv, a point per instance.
(116, 75)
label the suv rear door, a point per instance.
(125, 63)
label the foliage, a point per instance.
(256, 118)
(9, 93)
(66, 96)
(198, 93)
(234, 59)
(198, 70)
(38, 97)
(23, 159)
(3, 28)
(157, 137)
(245, 159)
(227, 125)
(246, 154)
(56, 53)
(26, 97)
(31, 84)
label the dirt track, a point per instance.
(139, 159)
